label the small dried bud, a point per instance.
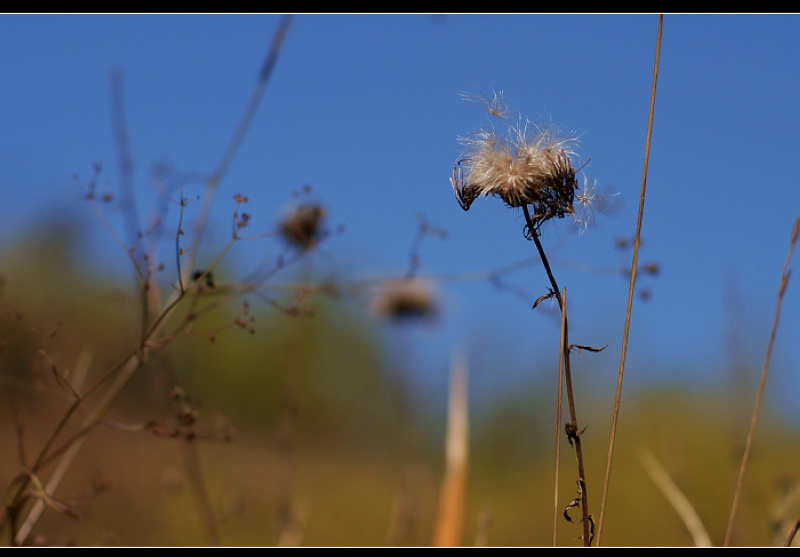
(651, 268)
(204, 279)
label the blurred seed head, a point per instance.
(404, 301)
(651, 268)
(302, 227)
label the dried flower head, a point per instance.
(303, 226)
(525, 166)
(405, 300)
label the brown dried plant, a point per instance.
(530, 167)
(33, 489)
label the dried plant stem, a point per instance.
(558, 417)
(575, 436)
(126, 369)
(677, 499)
(127, 191)
(123, 373)
(762, 386)
(239, 134)
(71, 449)
(453, 494)
(203, 506)
(634, 265)
(792, 534)
(81, 371)
(124, 159)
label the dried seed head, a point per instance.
(303, 226)
(526, 166)
(405, 300)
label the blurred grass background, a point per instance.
(331, 448)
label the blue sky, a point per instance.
(366, 109)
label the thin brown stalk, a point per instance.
(124, 158)
(762, 385)
(81, 370)
(127, 190)
(792, 534)
(634, 265)
(574, 433)
(239, 134)
(558, 416)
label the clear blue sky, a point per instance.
(366, 109)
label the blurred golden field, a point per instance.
(304, 438)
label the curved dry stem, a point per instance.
(634, 264)
(124, 158)
(762, 385)
(573, 432)
(792, 534)
(127, 196)
(238, 136)
(677, 499)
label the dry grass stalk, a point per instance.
(762, 385)
(792, 534)
(676, 498)
(634, 264)
(453, 494)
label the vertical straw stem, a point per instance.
(634, 264)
